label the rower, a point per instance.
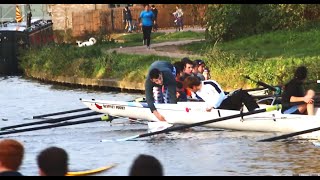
(294, 92)
(212, 93)
(160, 86)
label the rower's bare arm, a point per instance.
(158, 115)
(306, 99)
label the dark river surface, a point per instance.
(199, 151)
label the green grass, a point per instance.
(286, 44)
(135, 39)
(270, 57)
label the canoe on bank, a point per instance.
(193, 112)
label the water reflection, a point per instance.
(198, 151)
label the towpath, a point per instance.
(169, 48)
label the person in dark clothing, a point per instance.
(212, 93)
(160, 86)
(146, 165)
(295, 92)
(127, 18)
(181, 91)
(53, 161)
(11, 156)
(146, 21)
(155, 19)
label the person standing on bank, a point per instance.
(127, 18)
(295, 92)
(160, 86)
(178, 14)
(146, 21)
(155, 21)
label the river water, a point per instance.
(197, 152)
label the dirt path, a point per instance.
(169, 49)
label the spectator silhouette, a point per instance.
(146, 19)
(178, 14)
(146, 165)
(127, 18)
(11, 156)
(155, 22)
(53, 161)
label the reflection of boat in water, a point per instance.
(23, 31)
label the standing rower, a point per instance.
(160, 86)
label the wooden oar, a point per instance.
(59, 113)
(103, 118)
(268, 109)
(50, 120)
(285, 136)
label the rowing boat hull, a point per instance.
(193, 112)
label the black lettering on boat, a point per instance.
(120, 107)
(114, 107)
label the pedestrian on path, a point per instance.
(127, 18)
(146, 21)
(178, 14)
(155, 21)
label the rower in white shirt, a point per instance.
(212, 93)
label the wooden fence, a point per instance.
(111, 20)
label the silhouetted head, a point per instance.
(301, 73)
(146, 165)
(11, 154)
(53, 161)
(179, 68)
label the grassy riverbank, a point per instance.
(95, 61)
(271, 57)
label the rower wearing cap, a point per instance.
(198, 68)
